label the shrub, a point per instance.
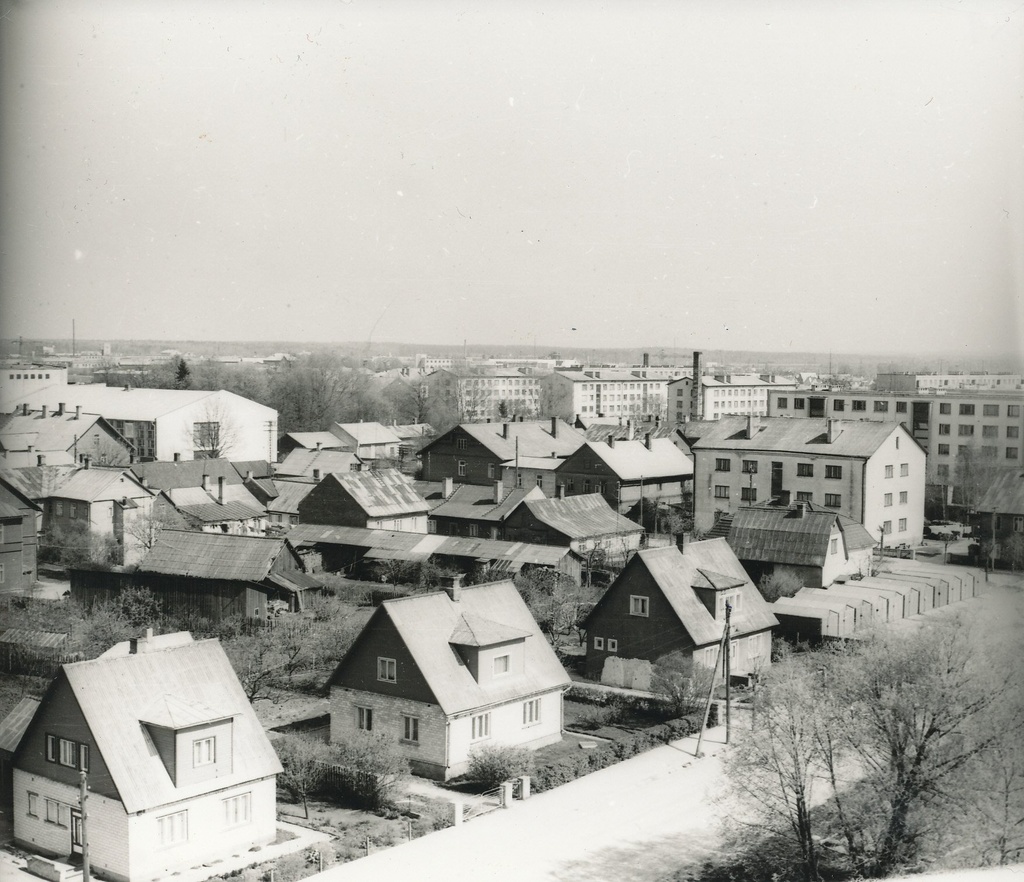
(494, 763)
(367, 769)
(594, 718)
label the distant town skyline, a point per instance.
(710, 175)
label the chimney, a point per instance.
(499, 491)
(319, 446)
(560, 491)
(138, 645)
(24, 409)
(30, 448)
(750, 425)
(205, 483)
(60, 409)
(447, 487)
(131, 457)
(43, 411)
(504, 431)
(145, 482)
(86, 462)
(453, 586)
(316, 474)
(611, 439)
(248, 475)
(220, 489)
(78, 411)
(41, 459)
(783, 497)
(554, 427)
(177, 457)
(831, 430)
(647, 440)
(800, 510)
(647, 359)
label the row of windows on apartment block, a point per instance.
(805, 469)
(989, 452)
(75, 755)
(749, 494)
(480, 724)
(29, 376)
(966, 430)
(171, 829)
(881, 406)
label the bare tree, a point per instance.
(215, 434)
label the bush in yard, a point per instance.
(368, 769)
(685, 684)
(494, 763)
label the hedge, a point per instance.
(569, 768)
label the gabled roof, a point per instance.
(412, 431)
(427, 623)
(474, 502)
(382, 493)
(309, 440)
(370, 434)
(187, 473)
(260, 468)
(633, 460)
(301, 462)
(114, 692)
(205, 506)
(18, 498)
(213, 555)
(8, 512)
(99, 484)
(535, 438)
(289, 495)
(13, 726)
(37, 482)
(581, 517)
(857, 438)
(52, 432)
(475, 630)
(787, 535)
(1005, 494)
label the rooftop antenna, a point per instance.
(72, 338)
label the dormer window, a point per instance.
(204, 751)
(501, 665)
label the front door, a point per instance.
(76, 831)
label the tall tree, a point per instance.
(182, 375)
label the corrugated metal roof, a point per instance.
(426, 624)
(38, 482)
(289, 495)
(114, 691)
(581, 517)
(474, 502)
(382, 493)
(1005, 494)
(13, 726)
(809, 436)
(98, 484)
(301, 462)
(8, 512)
(34, 639)
(213, 555)
(632, 460)
(792, 534)
(217, 512)
(187, 473)
(535, 438)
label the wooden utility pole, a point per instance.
(723, 646)
(728, 671)
(83, 792)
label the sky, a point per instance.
(716, 174)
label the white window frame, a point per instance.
(613, 644)
(599, 643)
(54, 812)
(1018, 523)
(364, 718)
(204, 751)
(387, 670)
(501, 665)
(172, 828)
(33, 804)
(68, 753)
(639, 605)
(237, 809)
(410, 729)
(480, 726)
(531, 712)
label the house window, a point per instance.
(750, 466)
(460, 443)
(531, 712)
(613, 645)
(833, 500)
(838, 404)
(204, 752)
(966, 410)
(859, 404)
(805, 470)
(835, 546)
(68, 753)
(782, 403)
(60, 509)
(888, 471)
(798, 404)
(902, 525)
(903, 497)
(881, 407)
(411, 729)
(965, 430)
(834, 472)
(990, 410)
(53, 812)
(748, 494)
(386, 670)
(364, 718)
(722, 465)
(1018, 524)
(721, 491)
(599, 643)
(481, 726)
(804, 496)
(473, 530)
(462, 468)
(638, 606)
(172, 828)
(431, 526)
(887, 527)
(33, 804)
(501, 665)
(888, 499)
(237, 809)
(540, 481)
(943, 450)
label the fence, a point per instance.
(489, 801)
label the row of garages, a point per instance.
(848, 607)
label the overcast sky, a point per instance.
(698, 173)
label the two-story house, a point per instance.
(179, 770)
(447, 672)
(871, 472)
(475, 511)
(667, 600)
(385, 499)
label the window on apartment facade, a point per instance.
(858, 404)
(799, 403)
(172, 828)
(888, 471)
(887, 527)
(904, 469)
(943, 428)
(943, 450)
(411, 729)
(834, 472)
(903, 497)
(386, 670)
(888, 499)
(531, 712)
(942, 470)
(990, 410)
(750, 466)
(721, 491)
(838, 404)
(833, 500)
(804, 496)
(1011, 453)
(613, 644)
(966, 410)
(945, 408)
(203, 752)
(782, 403)
(834, 546)
(722, 465)
(748, 494)
(805, 470)
(901, 407)
(1013, 410)
(1011, 432)
(599, 643)
(965, 431)
(481, 726)
(364, 718)
(501, 665)
(902, 525)
(462, 468)
(237, 809)
(881, 407)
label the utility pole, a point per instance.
(728, 671)
(83, 792)
(723, 646)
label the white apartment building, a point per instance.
(978, 382)
(604, 392)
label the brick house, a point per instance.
(667, 600)
(179, 770)
(446, 672)
(385, 499)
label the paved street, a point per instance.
(638, 820)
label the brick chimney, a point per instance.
(138, 645)
(554, 427)
(316, 474)
(41, 459)
(800, 510)
(220, 489)
(60, 409)
(504, 430)
(205, 482)
(78, 411)
(831, 431)
(560, 491)
(248, 475)
(87, 462)
(43, 412)
(751, 427)
(499, 491)
(447, 487)
(319, 446)
(24, 409)
(611, 439)
(453, 586)
(647, 440)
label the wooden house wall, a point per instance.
(442, 459)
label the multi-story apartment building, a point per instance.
(870, 471)
(478, 394)
(945, 424)
(605, 392)
(738, 395)
(905, 382)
